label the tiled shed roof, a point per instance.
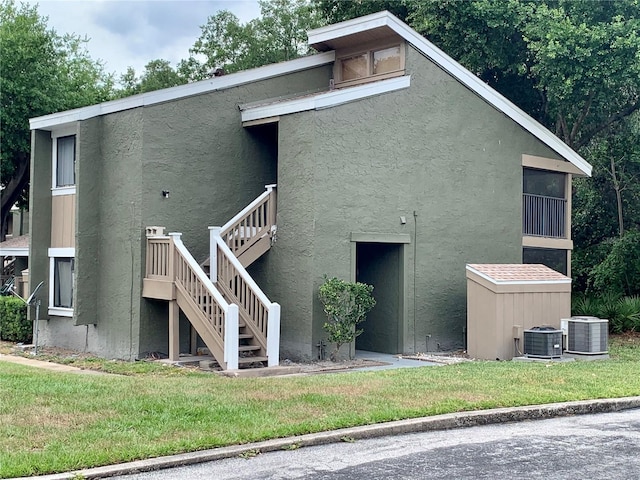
(520, 273)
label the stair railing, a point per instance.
(168, 258)
(252, 223)
(262, 314)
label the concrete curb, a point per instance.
(438, 422)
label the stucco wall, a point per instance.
(40, 217)
(436, 150)
(197, 149)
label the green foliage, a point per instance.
(623, 313)
(41, 73)
(346, 305)
(157, 74)
(14, 325)
(619, 272)
(279, 34)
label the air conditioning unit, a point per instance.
(587, 335)
(543, 342)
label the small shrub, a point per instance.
(346, 305)
(14, 326)
(628, 315)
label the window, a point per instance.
(551, 257)
(373, 63)
(61, 281)
(544, 204)
(65, 161)
(544, 183)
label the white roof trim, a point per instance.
(463, 75)
(14, 252)
(325, 100)
(210, 85)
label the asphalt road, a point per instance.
(598, 446)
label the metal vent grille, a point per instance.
(543, 342)
(588, 335)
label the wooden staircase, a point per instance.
(235, 319)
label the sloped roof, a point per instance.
(15, 247)
(383, 23)
(377, 25)
(516, 273)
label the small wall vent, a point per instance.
(587, 335)
(543, 342)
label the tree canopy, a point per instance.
(279, 34)
(41, 73)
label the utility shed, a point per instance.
(503, 300)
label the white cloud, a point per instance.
(127, 33)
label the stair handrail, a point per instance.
(231, 340)
(272, 332)
(268, 197)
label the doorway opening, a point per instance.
(380, 265)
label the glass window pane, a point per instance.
(63, 282)
(387, 60)
(65, 167)
(551, 257)
(543, 182)
(354, 67)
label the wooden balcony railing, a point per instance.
(544, 216)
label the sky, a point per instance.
(127, 33)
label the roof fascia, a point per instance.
(325, 100)
(14, 251)
(349, 27)
(53, 120)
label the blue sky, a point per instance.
(127, 33)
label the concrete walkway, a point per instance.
(389, 361)
(56, 367)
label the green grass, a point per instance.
(54, 422)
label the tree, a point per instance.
(42, 73)
(279, 34)
(157, 74)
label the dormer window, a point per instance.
(375, 63)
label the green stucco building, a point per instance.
(394, 166)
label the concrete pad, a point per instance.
(562, 359)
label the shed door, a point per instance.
(379, 264)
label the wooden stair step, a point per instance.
(248, 348)
(245, 336)
(245, 360)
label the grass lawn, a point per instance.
(54, 422)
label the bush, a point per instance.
(346, 305)
(623, 313)
(619, 272)
(14, 326)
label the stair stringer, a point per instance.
(200, 323)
